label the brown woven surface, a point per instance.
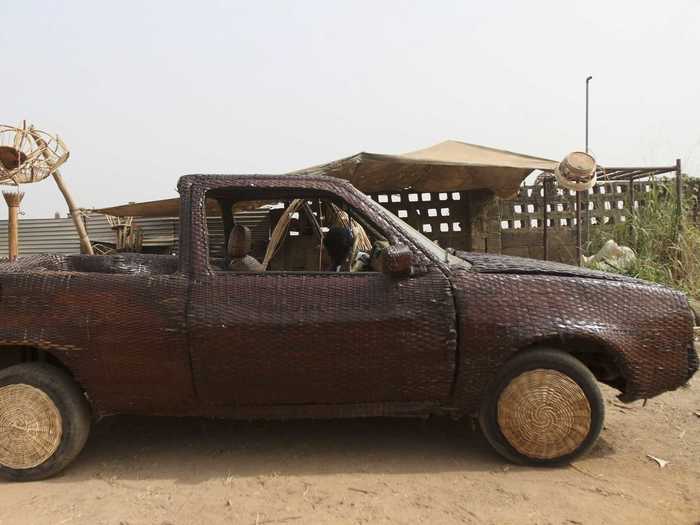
(30, 427)
(646, 330)
(162, 335)
(544, 414)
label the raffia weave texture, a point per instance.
(30, 426)
(544, 414)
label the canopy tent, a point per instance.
(447, 166)
(160, 208)
(170, 208)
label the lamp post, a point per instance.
(578, 193)
(588, 79)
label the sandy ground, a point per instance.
(175, 471)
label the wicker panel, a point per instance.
(277, 338)
(648, 330)
(123, 335)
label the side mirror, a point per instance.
(396, 260)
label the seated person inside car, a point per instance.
(239, 244)
(339, 243)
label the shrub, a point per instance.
(667, 246)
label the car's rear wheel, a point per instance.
(543, 408)
(44, 421)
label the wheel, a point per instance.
(44, 421)
(543, 408)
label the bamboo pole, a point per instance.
(75, 213)
(13, 200)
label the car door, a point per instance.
(320, 337)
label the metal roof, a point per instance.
(59, 236)
(625, 173)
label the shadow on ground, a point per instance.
(194, 450)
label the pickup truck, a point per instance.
(417, 331)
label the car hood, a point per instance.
(491, 263)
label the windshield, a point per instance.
(424, 242)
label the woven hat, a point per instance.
(577, 171)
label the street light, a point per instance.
(578, 194)
(588, 79)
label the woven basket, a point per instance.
(544, 414)
(577, 171)
(30, 427)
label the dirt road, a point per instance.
(173, 471)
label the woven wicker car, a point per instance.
(417, 331)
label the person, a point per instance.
(338, 243)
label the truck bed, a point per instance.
(123, 263)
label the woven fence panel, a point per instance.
(522, 218)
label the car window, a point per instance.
(295, 235)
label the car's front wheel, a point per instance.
(44, 421)
(543, 408)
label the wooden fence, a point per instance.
(522, 218)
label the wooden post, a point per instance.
(631, 196)
(578, 228)
(75, 213)
(545, 217)
(586, 214)
(679, 193)
(13, 200)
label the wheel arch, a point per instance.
(12, 354)
(605, 362)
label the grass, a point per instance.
(667, 249)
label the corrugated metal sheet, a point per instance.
(43, 236)
(59, 235)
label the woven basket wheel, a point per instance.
(30, 427)
(544, 414)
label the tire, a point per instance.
(44, 421)
(543, 408)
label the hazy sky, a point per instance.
(143, 92)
